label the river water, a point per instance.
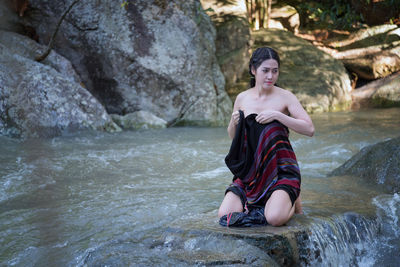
(64, 199)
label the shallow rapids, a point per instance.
(63, 199)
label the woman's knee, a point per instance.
(231, 203)
(275, 218)
(279, 208)
(222, 212)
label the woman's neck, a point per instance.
(264, 91)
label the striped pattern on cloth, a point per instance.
(261, 159)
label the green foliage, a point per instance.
(341, 14)
(124, 4)
(336, 14)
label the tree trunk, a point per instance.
(374, 66)
(359, 52)
(268, 13)
(362, 96)
(254, 12)
(261, 9)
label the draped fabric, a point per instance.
(262, 159)
(254, 217)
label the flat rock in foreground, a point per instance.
(304, 240)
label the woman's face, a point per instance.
(267, 73)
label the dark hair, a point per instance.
(259, 56)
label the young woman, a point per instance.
(267, 174)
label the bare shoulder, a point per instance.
(244, 93)
(294, 106)
(285, 92)
(287, 95)
(241, 96)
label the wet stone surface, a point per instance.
(201, 241)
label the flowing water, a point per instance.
(102, 199)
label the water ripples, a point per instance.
(72, 195)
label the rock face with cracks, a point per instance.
(157, 56)
(43, 99)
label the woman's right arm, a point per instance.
(235, 116)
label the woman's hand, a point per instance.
(232, 124)
(235, 117)
(267, 116)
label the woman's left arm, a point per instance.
(298, 121)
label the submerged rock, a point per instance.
(139, 120)
(319, 81)
(157, 56)
(43, 99)
(378, 163)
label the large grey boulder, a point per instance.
(12, 17)
(43, 99)
(379, 163)
(8, 19)
(319, 81)
(156, 56)
(233, 37)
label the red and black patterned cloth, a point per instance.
(262, 160)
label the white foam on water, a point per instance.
(343, 241)
(15, 180)
(357, 241)
(388, 210)
(221, 171)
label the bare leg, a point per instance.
(279, 208)
(298, 207)
(231, 203)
